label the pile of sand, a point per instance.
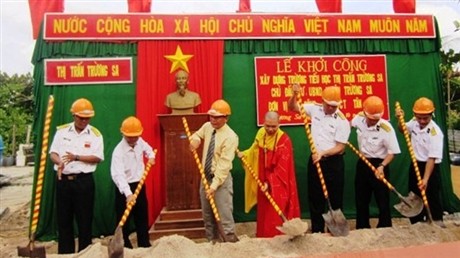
(13, 233)
(282, 246)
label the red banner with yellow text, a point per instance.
(88, 71)
(234, 26)
(358, 76)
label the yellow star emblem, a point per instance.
(179, 60)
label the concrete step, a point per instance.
(178, 224)
(180, 214)
(187, 223)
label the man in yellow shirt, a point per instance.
(219, 146)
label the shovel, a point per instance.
(117, 244)
(414, 162)
(31, 250)
(409, 206)
(334, 219)
(220, 228)
(295, 227)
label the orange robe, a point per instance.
(271, 157)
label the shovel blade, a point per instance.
(32, 251)
(294, 227)
(336, 223)
(117, 244)
(410, 206)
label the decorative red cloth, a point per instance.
(155, 80)
(244, 6)
(139, 6)
(404, 6)
(329, 6)
(38, 8)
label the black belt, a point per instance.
(72, 177)
(323, 158)
(374, 159)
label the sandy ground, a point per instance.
(14, 217)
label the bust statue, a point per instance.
(182, 101)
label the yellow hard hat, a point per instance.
(373, 107)
(131, 126)
(331, 95)
(220, 108)
(82, 108)
(423, 106)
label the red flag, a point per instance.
(329, 6)
(404, 6)
(245, 6)
(139, 6)
(38, 8)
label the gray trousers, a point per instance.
(224, 202)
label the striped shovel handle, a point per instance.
(312, 145)
(376, 172)
(41, 171)
(414, 161)
(261, 186)
(201, 169)
(130, 205)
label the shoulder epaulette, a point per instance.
(385, 127)
(95, 131)
(341, 115)
(63, 126)
(433, 132)
(360, 114)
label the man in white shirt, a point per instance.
(378, 143)
(330, 131)
(427, 142)
(76, 150)
(127, 169)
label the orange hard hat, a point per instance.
(331, 95)
(423, 106)
(82, 108)
(373, 107)
(131, 126)
(220, 107)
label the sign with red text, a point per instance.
(59, 26)
(358, 76)
(88, 71)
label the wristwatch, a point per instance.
(77, 158)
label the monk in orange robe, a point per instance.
(271, 157)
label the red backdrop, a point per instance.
(155, 81)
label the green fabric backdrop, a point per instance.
(112, 103)
(412, 72)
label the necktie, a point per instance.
(209, 155)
